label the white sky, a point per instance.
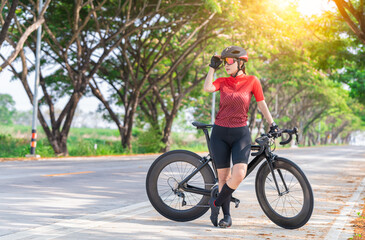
(16, 90)
(311, 7)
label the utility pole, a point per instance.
(33, 142)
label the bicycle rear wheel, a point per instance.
(293, 207)
(162, 185)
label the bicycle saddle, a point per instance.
(200, 125)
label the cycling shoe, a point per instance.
(214, 212)
(226, 222)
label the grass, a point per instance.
(15, 142)
(359, 224)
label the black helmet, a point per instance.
(235, 52)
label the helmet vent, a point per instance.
(235, 52)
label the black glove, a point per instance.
(273, 128)
(215, 62)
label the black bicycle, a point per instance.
(180, 183)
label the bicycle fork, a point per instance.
(270, 161)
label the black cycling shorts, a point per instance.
(225, 141)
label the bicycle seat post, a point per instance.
(207, 138)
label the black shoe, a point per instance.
(226, 222)
(214, 212)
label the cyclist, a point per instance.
(230, 135)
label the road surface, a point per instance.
(104, 198)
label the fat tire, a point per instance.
(304, 215)
(152, 192)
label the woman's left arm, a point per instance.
(265, 110)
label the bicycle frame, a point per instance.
(205, 161)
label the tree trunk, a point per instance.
(5, 26)
(97, 93)
(128, 125)
(168, 126)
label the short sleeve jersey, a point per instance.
(235, 97)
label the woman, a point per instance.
(230, 135)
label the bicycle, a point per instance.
(180, 183)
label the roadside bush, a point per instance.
(10, 147)
(147, 142)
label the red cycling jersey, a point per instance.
(235, 99)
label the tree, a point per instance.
(338, 52)
(149, 61)
(7, 109)
(282, 56)
(22, 32)
(79, 37)
(352, 12)
(6, 23)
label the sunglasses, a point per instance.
(229, 61)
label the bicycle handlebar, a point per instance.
(288, 131)
(264, 139)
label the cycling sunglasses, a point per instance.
(229, 61)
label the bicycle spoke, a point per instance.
(295, 199)
(291, 201)
(186, 172)
(171, 176)
(284, 209)
(277, 203)
(273, 187)
(169, 196)
(293, 206)
(166, 192)
(275, 200)
(293, 185)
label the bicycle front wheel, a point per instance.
(162, 183)
(292, 206)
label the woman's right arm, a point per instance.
(208, 85)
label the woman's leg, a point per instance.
(239, 171)
(238, 174)
(224, 198)
(221, 155)
(240, 154)
(223, 175)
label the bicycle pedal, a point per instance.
(236, 202)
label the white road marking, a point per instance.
(341, 221)
(65, 227)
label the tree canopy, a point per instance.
(146, 61)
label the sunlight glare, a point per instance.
(314, 7)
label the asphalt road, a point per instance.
(104, 198)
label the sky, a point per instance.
(89, 104)
(16, 90)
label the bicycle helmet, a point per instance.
(235, 52)
(238, 53)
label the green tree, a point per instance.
(79, 37)
(297, 91)
(22, 33)
(156, 68)
(7, 109)
(353, 12)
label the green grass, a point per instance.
(15, 142)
